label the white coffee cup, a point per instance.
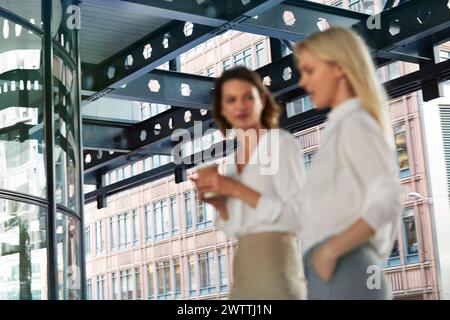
(205, 169)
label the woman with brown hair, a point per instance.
(259, 195)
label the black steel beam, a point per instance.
(162, 171)
(151, 52)
(103, 135)
(294, 20)
(166, 87)
(414, 81)
(403, 46)
(269, 22)
(406, 23)
(150, 137)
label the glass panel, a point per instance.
(30, 10)
(402, 150)
(21, 115)
(23, 254)
(65, 25)
(411, 243)
(66, 151)
(135, 227)
(150, 282)
(177, 276)
(174, 215)
(192, 279)
(69, 262)
(188, 210)
(137, 279)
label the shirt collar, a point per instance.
(342, 109)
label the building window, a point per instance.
(204, 213)
(356, 5)
(210, 72)
(444, 55)
(156, 161)
(226, 64)
(177, 277)
(147, 164)
(87, 239)
(150, 282)
(120, 174)
(206, 273)
(99, 238)
(402, 150)
(114, 286)
(192, 279)
(113, 233)
(124, 230)
(162, 220)
(410, 236)
(309, 157)
(394, 258)
(244, 58)
(89, 289)
(145, 111)
(135, 217)
(338, 4)
(174, 215)
(223, 273)
(260, 55)
(164, 279)
(134, 169)
(125, 285)
(127, 172)
(298, 106)
(393, 70)
(148, 223)
(188, 210)
(101, 287)
(137, 284)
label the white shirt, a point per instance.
(276, 171)
(354, 175)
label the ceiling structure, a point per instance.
(123, 42)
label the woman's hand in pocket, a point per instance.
(324, 262)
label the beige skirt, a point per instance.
(267, 266)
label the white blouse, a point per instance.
(276, 171)
(354, 175)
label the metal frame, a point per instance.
(46, 131)
(212, 18)
(49, 132)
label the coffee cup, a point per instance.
(206, 169)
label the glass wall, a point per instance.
(40, 177)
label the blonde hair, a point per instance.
(345, 48)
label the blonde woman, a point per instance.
(352, 194)
(259, 197)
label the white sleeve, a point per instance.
(227, 226)
(373, 162)
(288, 181)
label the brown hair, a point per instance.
(271, 113)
